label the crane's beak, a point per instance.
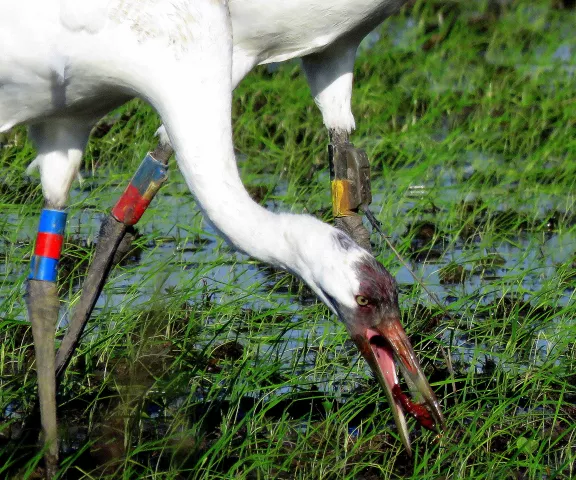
(381, 346)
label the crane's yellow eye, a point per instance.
(361, 300)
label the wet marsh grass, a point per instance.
(201, 363)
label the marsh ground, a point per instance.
(201, 363)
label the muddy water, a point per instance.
(182, 249)
(534, 243)
(501, 276)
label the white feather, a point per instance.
(64, 63)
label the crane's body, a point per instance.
(41, 54)
(65, 63)
(274, 31)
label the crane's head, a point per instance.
(363, 294)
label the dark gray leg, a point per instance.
(350, 176)
(111, 233)
(151, 175)
(43, 308)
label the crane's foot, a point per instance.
(350, 176)
(43, 308)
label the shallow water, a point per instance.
(516, 248)
(183, 249)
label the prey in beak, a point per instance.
(373, 321)
(385, 345)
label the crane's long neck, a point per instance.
(190, 85)
(201, 133)
(210, 169)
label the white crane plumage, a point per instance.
(65, 63)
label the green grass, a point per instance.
(200, 363)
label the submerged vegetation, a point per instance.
(201, 363)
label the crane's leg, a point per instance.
(43, 308)
(350, 183)
(130, 207)
(60, 145)
(330, 75)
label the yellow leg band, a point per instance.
(341, 198)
